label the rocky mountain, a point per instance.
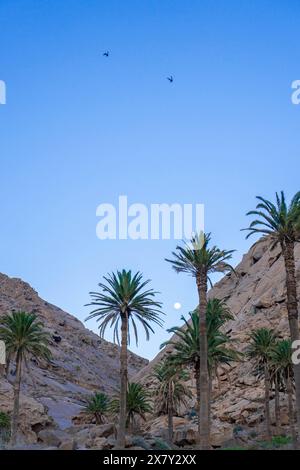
(256, 295)
(82, 363)
(53, 393)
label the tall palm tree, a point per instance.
(137, 403)
(281, 360)
(186, 348)
(97, 406)
(281, 223)
(124, 300)
(24, 336)
(171, 391)
(262, 343)
(199, 260)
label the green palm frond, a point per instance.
(23, 335)
(97, 403)
(186, 344)
(196, 257)
(277, 221)
(261, 347)
(171, 391)
(137, 402)
(281, 359)
(124, 294)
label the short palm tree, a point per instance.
(124, 301)
(186, 348)
(281, 360)
(5, 428)
(97, 406)
(276, 382)
(24, 336)
(137, 403)
(219, 352)
(281, 223)
(200, 261)
(171, 391)
(260, 349)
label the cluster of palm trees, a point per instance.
(186, 348)
(99, 406)
(123, 300)
(126, 301)
(272, 360)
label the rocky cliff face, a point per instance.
(82, 363)
(256, 296)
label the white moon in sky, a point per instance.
(177, 305)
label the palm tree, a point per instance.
(97, 406)
(186, 347)
(275, 380)
(262, 342)
(24, 336)
(5, 428)
(281, 360)
(171, 391)
(281, 223)
(124, 300)
(137, 403)
(200, 261)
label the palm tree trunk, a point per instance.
(16, 408)
(291, 410)
(197, 378)
(204, 382)
(209, 400)
(170, 414)
(7, 366)
(123, 375)
(267, 402)
(277, 406)
(292, 308)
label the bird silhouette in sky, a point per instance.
(106, 53)
(171, 79)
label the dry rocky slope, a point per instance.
(82, 363)
(52, 394)
(256, 296)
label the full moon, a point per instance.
(177, 305)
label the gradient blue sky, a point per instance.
(79, 129)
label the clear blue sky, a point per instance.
(79, 129)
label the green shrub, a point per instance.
(161, 445)
(4, 420)
(275, 443)
(234, 448)
(4, 428)
(278, 441)
(139, 441)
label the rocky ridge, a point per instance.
(81, 364)
(53, 394)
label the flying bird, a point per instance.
(171, 79)
(106, 54)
